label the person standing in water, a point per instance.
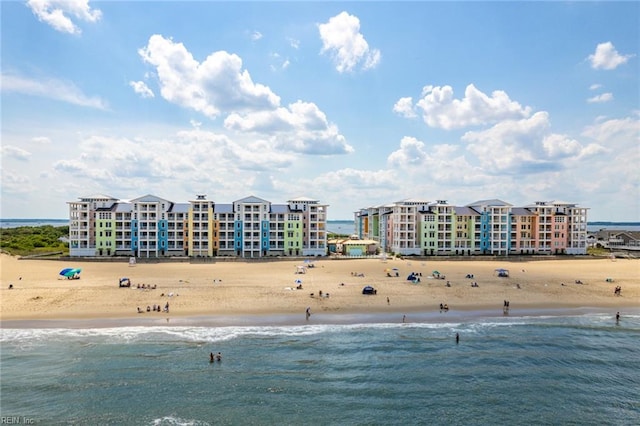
(457, 338)
(617, 317)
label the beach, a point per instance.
(328, 286)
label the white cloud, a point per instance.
(256, 35)
(301, 127)
(404, 107)
(219, 86)
(215, 85)
(615, 133)
(441, 110)
(41, 140)
(595, 86)
(294, 43)
(606, 57)
(56, 13)
(10, 151)
(604, 97)
(141, 89)
(524, 146)
(50, 88)
(341, 37)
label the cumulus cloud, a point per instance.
(524, 146)
(341, 38)
(301, 127)
(404, 107)
(606, 57)
(10, 151)
(52, 89)
(219, 86)
(256, 35)
(58, 13)
(440, 109)
(615, 131)
(604, 97)
(141, 88)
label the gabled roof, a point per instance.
(252, 199)
(98, 197)
(123, 207)
(149, 199)
(491, 202)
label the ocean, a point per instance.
(543, 368)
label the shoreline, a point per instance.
(321, 319)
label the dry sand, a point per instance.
(242, 288)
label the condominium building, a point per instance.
(490, 227)
(150, 226)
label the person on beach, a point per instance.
(617, 317)
(308, 312)
(388, 301)
(404, 318)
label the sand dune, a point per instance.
(236, 288)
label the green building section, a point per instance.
(105, 236)
(293, 237)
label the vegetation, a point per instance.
(30, 240)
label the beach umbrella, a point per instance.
(436, 273)
(298, 281)
(65, 271)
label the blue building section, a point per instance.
(238, 234)
(163, 238)
(264, 239)
(134, 234)
(485, 226)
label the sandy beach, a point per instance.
(269, 288)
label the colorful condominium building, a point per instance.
(486, 227)
(151, 226)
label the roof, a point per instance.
(98, 197)
(180, 208)
(465, 211)
(149, 199)
(279, 208)
(303, 199)
(522, 211)
(223, 208)
(491, 202)
(252, 199)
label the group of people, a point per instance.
(155, 308)
(216, 357)
(146, 287)
(444, 307)
(618, 291)
(474, 284)
(505, 307)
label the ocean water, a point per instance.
(576, 369)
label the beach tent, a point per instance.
(71, 273)
(502, 272)
(368, 290)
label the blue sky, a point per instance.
(355, 104)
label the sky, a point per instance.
(353, 104)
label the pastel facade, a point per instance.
(150, 226)
(485, 227)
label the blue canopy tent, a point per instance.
(71, 273)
